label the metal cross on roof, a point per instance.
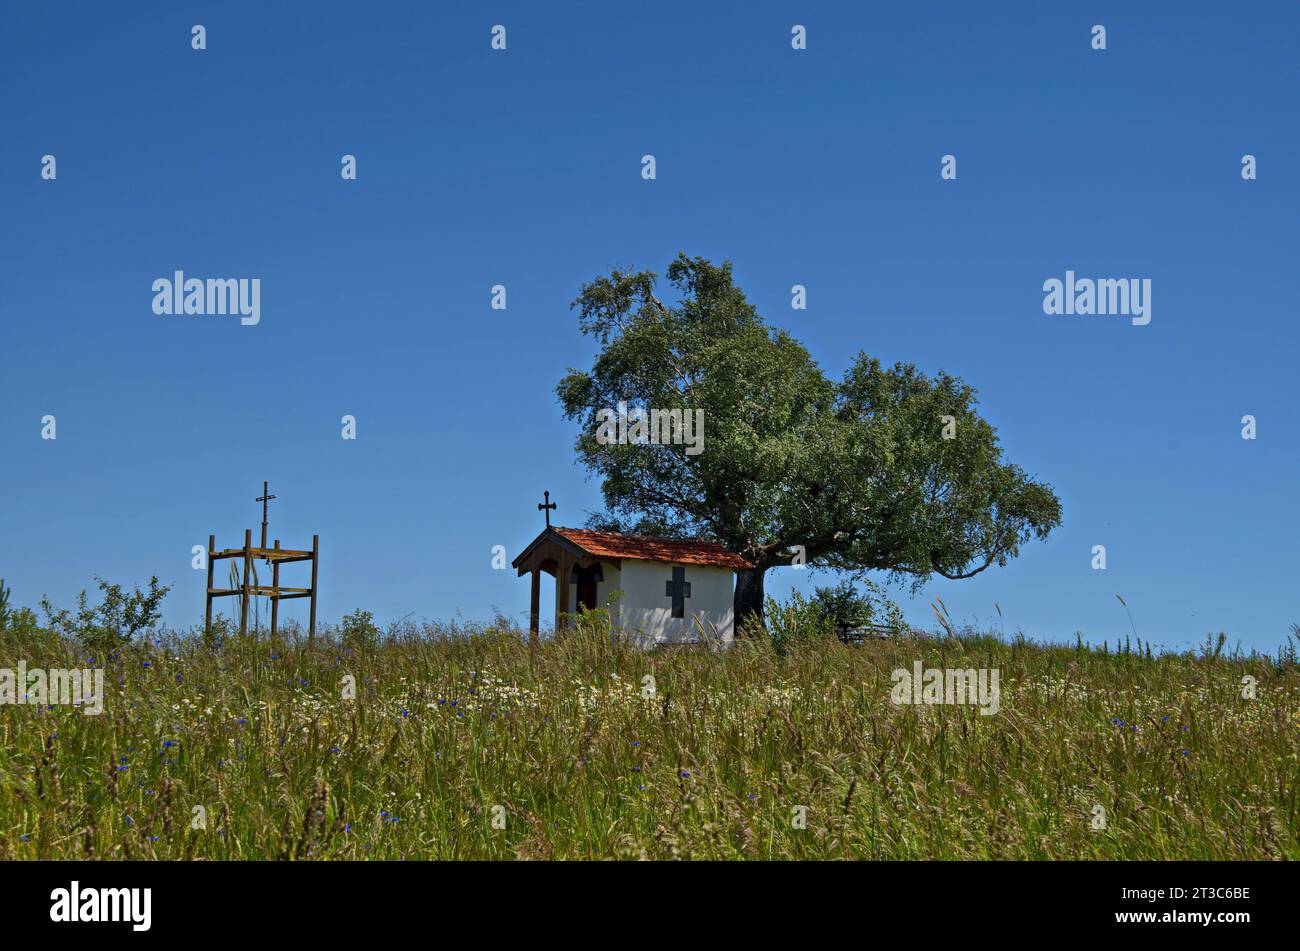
(546, 507)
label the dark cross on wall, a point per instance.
(266, 497)
(679, 589)
(546, 507)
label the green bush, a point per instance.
(847, 607)
(113, 622)
(796, 621)
(359, 630)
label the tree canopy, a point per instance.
(888, 469)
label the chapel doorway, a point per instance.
(584, 581)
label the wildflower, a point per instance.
(686, 774)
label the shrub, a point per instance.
(359, 630)
(114, 621)
(847, 607)
(795, 621)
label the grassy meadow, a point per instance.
(453, 734)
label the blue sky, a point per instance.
(477, 167)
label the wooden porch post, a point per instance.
(535, 609)
(562, 593)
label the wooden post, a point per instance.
(562, 593)
(275, 585)
(248, 571)
(315, 563)
(212, 543)
(535, 610)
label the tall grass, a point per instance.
(585, 762)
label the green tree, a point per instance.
(358, 630)
(858, 473)
(118, 617)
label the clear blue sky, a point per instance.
(522, 167)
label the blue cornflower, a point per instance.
(686, 774)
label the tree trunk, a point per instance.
(747, 603)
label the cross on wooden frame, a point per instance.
(266, 497)
(679, 589)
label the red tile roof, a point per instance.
(684, 551)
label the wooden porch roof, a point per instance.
(586, 547)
